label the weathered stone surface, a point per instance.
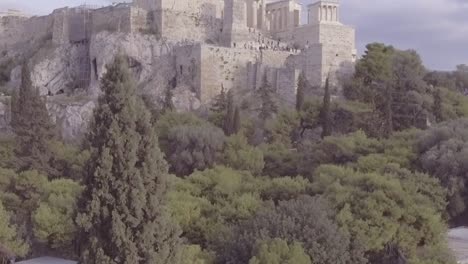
(71, 116)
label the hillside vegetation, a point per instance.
(376, 175)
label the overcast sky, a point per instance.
(437, 29)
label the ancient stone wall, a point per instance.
(235, 30)
(112, 19)
(14, 30)
(60, 31)
(224, 67)
(238, 69)
(286, 85)
(138, 19)
(302, 36)
(337, 34)
(79, 20)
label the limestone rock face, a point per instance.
(149, 58)
(185, 100)
(60, 68)
(71, 117)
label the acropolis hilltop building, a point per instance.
(194, 47)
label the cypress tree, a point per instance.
(220, 102)
(269, 106)
(168, 105)
(301, 86)
(237, 120)
(325, 111)
(437, 107)
(32, 127)
(229, 116)
(122, 212)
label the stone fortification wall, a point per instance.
(71, 25)
(112, 19)
(198, 20)
(235, 30)
(310, 62)
(337, 34)
(239, 69)
(60, 31)
(319, 61)
(138, 19)
(224, 67)
(302, 36)
(14, 30)
(286, 85)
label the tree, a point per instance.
(437, 106)
(219, 108)
(53, 219)
(382, 210)
(282, 128)
(280, 160)
(207, 202)
(194, 148)
(290, 221)
(443, 152)
(122, 212)
(237, 121)
(32, 127)
(277, 251)
(193, 254)
(9, 237)
(392, 82)
(325, 119)
(301, 86)
(461, 76)
(169, 120)
(168, 104)
(220, 102)
(228, 125)
(239, 155)
(268, 105)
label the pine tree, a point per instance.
(237, 121)
(229, 116)
(301, 86)
(269, 106)
(437, 107)
(325, 119)
(32, 127)
(122, 212)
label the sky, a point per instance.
(437, 29)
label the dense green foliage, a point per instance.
(375, 177)
(290, 221)
(277, 251)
